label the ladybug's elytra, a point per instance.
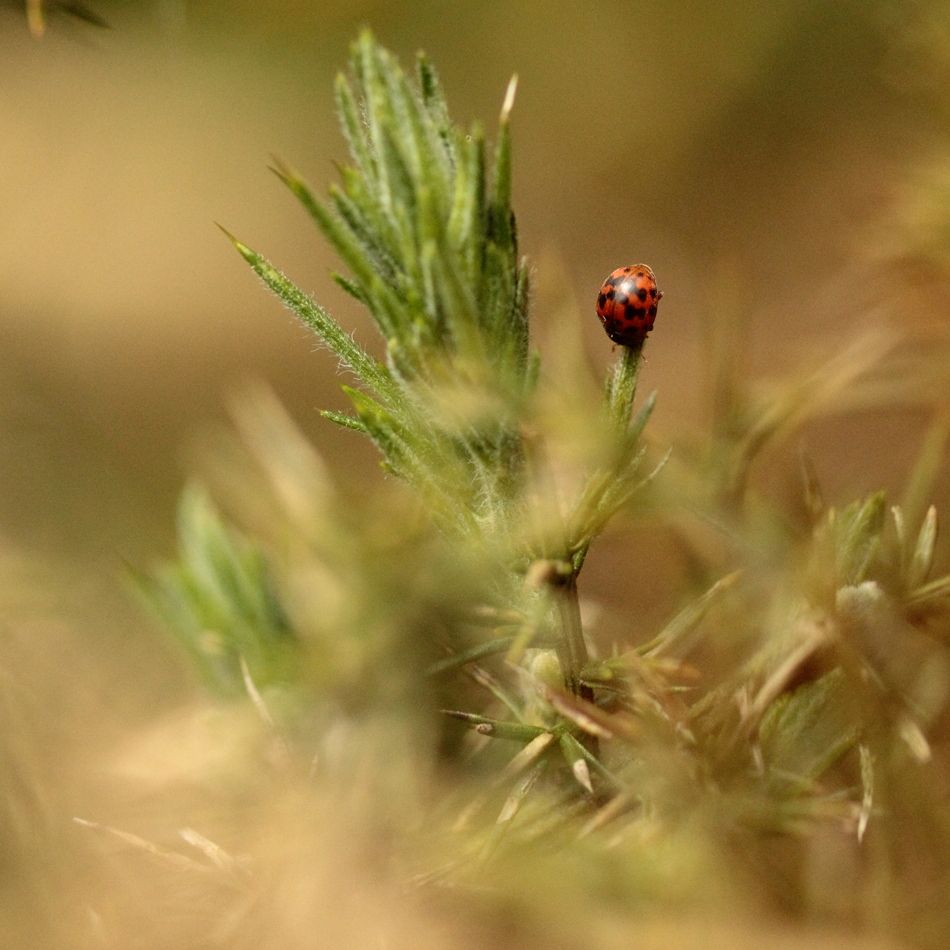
(627, 304)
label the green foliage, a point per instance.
(846, 544)
(428, 236)
(219, 597)
(318, 320)
(796, 675)
(805, 731)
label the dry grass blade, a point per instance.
(590, 718)
(678, 632)
(829, 388)
(142, 845)
(813, 638)
(529, 754)
(218, 856)
(922, 559)
(284, 752)
(515, 800)
(618, 805)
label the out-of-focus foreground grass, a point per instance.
(783, 171)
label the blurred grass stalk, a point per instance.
(38, 12)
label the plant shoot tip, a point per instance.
(509, 101)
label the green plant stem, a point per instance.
(620, 391)
(573, 652)
(623, 385)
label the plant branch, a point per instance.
(573, 650)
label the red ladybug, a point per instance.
(627, 304)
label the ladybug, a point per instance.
(627, 304)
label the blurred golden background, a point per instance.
(784, 163)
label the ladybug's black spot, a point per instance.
(601, 300)
(621, 299)
(653, 311)
(633, 313)
(653, 291)
(642, 293)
